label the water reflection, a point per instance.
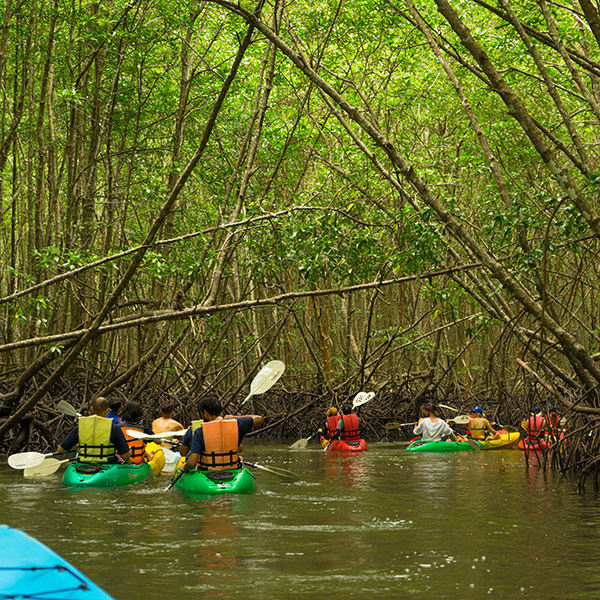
(386, 524)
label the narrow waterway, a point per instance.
(385, 524)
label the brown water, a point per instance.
(385, 524)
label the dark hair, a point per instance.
(132, 412)
(167, 407)
(347, 409)
(210, 404)
(115, 404)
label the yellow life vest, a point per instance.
(196, 424)
(94, 439)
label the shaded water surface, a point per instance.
(385, 524)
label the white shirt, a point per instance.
(432, 432)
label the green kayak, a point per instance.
(104, 476)
(441, 446)
(238, 481)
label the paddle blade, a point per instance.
(140, 435)
(299, 444)
(66, 408)
(267, 377)
(48, 467)
(275, 470)
(448, 407)
(362, 398)
(26, 459)
(474, 445)
(460, 419)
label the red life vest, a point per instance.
(534, 427)
(221, 443)
(351, 430)
(332, 425)
(137, 447)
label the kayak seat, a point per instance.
(353, 443)
(220, 475)
(89, 469)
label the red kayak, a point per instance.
(537, 444)
(343, 446)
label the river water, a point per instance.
(385, 524)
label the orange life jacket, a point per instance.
(351, 429)
(137, 447)
(221, 442)
(534, 427)
(332, 424)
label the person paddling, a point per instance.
(166, 422)
(479, 426)
(132, 417)
(535, 426)
(99, 439)
(432, 428)
(186, 442)
(215, 445)
(348, 427)
(329, 430)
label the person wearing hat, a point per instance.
(478, 426)
(328, 432)
(432, 428)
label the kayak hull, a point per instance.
(83, 475)
(440, 446)
(105, 475)
(539, 445)
(343, 446)
(54, 578)
(211, 483)
(507, 440)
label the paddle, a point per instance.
(302, 443)
(48, 467)
(175, 480)
(265, 379)
(275, 470)
(460, 419)
(157, 437)
(66, 408)
(474, 444)
(362, 398)
(448, 407)
(396, 425)
(23, 460)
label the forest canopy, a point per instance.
(400, 196)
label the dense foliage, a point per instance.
(380, 193)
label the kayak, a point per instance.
(32, 570)
(539, 445)
(235, 481)
(440, 446)
(344, 446)
(114, 475)
(507, 440)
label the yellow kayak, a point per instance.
(508, 439)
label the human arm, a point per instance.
(489, 427)
(70, 442)
(186, 443)
(191, 462)
(256, 419)
(117, 439)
